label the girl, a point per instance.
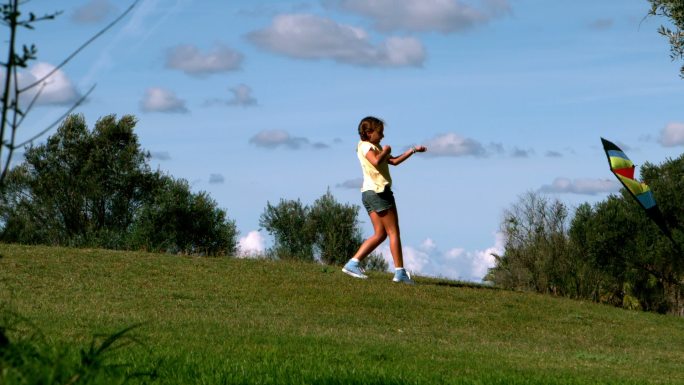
(377, 197)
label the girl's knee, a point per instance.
(380, 236)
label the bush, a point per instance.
(289, 224)
(328, 229)
(337, 235)
(176, 220)
(536, 253)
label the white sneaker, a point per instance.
(401, 275)
(352, 268)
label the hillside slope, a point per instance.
(222, 320)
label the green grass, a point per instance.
(225, 321)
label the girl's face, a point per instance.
(376, 136)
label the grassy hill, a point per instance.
(220, 320)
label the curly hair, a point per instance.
(369, 124)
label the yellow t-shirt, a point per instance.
(375, 179)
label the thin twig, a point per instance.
(33, 101)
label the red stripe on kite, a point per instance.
(626, 172)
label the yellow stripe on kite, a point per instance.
(618, 163)
(634, 186)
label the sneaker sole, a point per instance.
(354, 274)
(406, 282)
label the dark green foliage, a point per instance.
(78, 187)
(289, 224)
(337, 232)
(536, 253)
(173, 219)
(674, 11)
(645, 266)
(611, 252)
(95, 188)
(328, 229)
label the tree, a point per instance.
(586, 279)
(95, 188)
(78, 185)
(175, 220)
(337, 233)
(12, 113)
(328, 230)
(536, 251)
(674, 11)
(288, 223)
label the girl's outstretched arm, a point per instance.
(395, 161)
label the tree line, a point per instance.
(95, 188)
(608, 252)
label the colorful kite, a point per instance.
(623, 168)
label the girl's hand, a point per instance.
(420, 148)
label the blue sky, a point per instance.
(254, 101)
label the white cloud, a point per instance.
(444, 16)
(428, 244)
(189, 59)
(277, 138)
(455, 263)
(312, 37)
(93, 11)
(484, 260)
(452, 144)
(672, 135)
(586, 186)
(58, 89)
(415, 259)
(158, 99)
(253, 244)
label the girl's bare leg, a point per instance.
(375, 240)
(390, 223)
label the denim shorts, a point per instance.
(378, 202)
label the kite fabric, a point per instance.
(623, 168)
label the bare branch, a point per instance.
(14, 125)
(8, 77)
(79, 49)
